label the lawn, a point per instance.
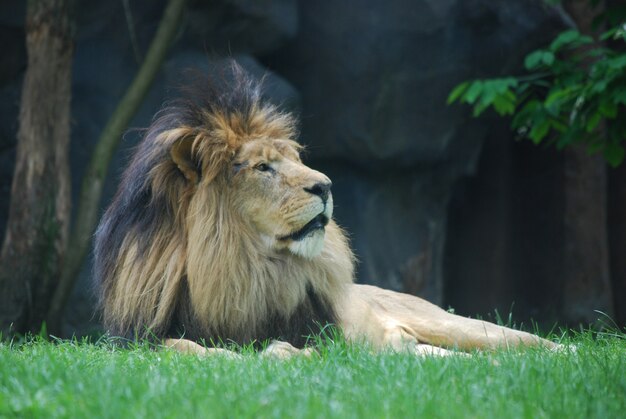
(72, 379)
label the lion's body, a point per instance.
(219, 233)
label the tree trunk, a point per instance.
(37, 228)
(587, 274)
(586, 254)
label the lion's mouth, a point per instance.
(317, 223)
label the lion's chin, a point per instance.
(309, 246)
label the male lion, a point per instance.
(219, 232)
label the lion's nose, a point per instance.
(321, 189)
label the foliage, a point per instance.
(575, 93)
(70, 379)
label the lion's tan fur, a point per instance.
(236, 261)
(147, 288)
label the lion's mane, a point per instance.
(172, 258)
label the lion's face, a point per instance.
(288, 203)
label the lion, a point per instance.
(219, 233)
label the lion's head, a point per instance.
(218, 229)
(283, 201)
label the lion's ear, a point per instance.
(182, 157)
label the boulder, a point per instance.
(237, 26)
(369, 79)
(374, 81)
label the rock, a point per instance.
(375, 78)
(374, 81)
(12, 13)
(396, 223)
(191, 63)
(105, 62)
(370, 80)
(14, 60)
(249, 26)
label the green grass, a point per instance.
(70, 379)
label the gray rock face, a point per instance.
(374, 79)
(370, 79)
(232, 26)
(105, 62)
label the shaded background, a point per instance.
(437, 204)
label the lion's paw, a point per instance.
(283, 350)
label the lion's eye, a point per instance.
(262, 167)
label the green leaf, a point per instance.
(457, 92)
(539, 130)
(525, 116)
(599, 86)
(547, 58)
(558, 97)
(532, 60)
(564, 38)
(614, 154)
(503, 104)
(500, 85)
(564, 97)
(558, 125)
(571, 38)
(489, 92)
(474, 90)
(617, 63)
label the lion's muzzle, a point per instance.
(317, 223)
(308, 240)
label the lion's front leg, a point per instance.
(382, 317)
